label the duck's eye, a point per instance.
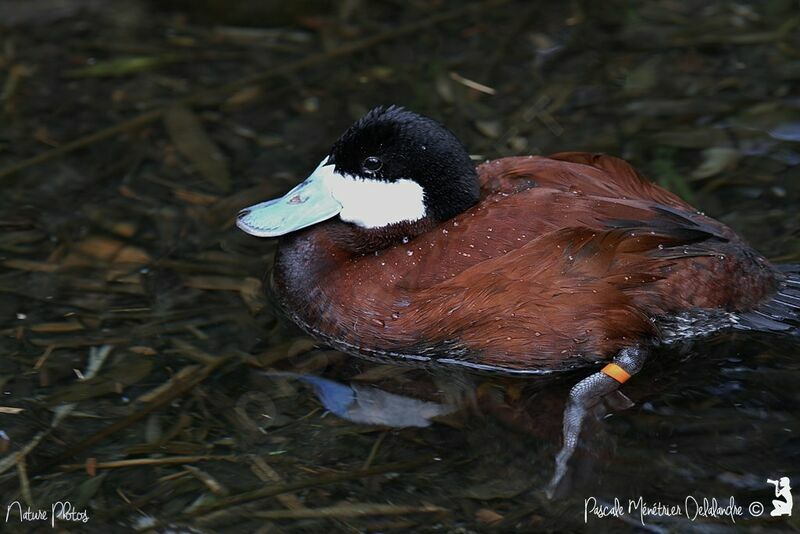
(372, 164)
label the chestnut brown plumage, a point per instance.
(564, 261)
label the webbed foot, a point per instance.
(587, 394)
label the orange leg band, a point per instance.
(616, 372)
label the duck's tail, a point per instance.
(782, 312)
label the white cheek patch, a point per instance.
(375, 203)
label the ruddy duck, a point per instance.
(398, 248)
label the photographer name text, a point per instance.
(692, 508)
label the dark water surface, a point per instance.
(135, 334)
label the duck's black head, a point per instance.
(392, 174)
(392, 144)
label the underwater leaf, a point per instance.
(715, 161)
(489, 128)
(97, 248)
(789, 131)
(190, 138)
(369, 405)
(88, 489)
(485, 516)
(643, 77)
(444, 88)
